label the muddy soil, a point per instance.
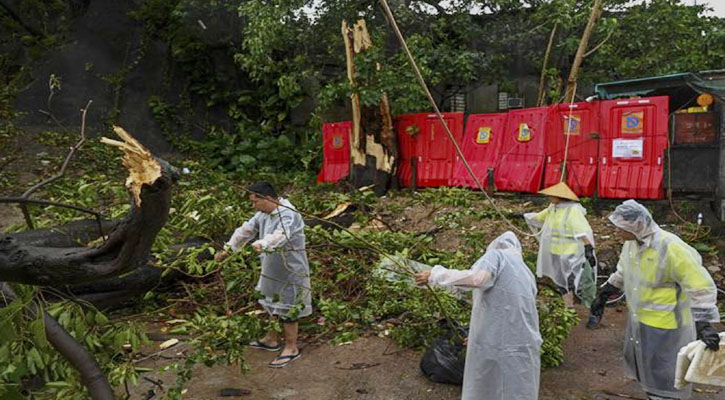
(373, 368)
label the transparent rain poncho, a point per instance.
(560, 229)
(285, 278)
(667, 291)
(502, 356)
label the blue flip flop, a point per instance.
(286, 363)
(256, 344)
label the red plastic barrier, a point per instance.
(520, 165)
(335, 151)
(634, 137)
(582, 157)
(480, 145)
(422, 137)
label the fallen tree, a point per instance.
(127, 249)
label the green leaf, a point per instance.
(101, 319)
(37, 328)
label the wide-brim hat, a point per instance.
(560, 190)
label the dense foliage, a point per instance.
(216, 304)
(257, 77)
(275, 69)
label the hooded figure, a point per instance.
(566, 244)
(670, 298)
(502, 355)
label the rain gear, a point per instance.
(560, 229)
(560, 190)
(285, 278)
(667, 291)
(502, 356)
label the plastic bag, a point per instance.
(588, 285)
(444, 361)
(395, 268)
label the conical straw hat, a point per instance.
(560, 190)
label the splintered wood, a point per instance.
(357, 40)
(143, 169)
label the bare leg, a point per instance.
(290, 341)
(271, 338)
(568, 299)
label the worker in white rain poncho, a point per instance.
(566, 245)
(502, 354)
(285, 277)
(671, 299)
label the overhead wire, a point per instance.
(424, 86)
(568, 135)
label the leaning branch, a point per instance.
(60, 173)
(91, 373)
(68, 158)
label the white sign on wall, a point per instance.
(627, 148)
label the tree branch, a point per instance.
(127, 248)
(91, 374)
(72, 152)
(599, 45)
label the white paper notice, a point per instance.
(627, 148)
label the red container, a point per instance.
(520, 164)
(422, 137)
(634, 138)
(335, 151)
(480, 145)
(581, 122)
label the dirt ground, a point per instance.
(373, 368)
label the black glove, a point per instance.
(597, 310)
(589, 255)
(708, 335)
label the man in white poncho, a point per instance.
(502, 354)
(285, 277)
(566, 244)
(671, 299)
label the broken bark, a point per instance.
(128, 246)
(36, 259)
(373, 142)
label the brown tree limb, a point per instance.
(91, 374)
(595, 48)
(24, 201)
(61, 173)
(540, 95)
(128, 246)
(579, 57)
(68, 158)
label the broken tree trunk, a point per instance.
(583, 44)
(373, 143)
(128, 246)
(127, 249)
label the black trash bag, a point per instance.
(443, 362)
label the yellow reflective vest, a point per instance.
(663, 280)
(567, 225)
